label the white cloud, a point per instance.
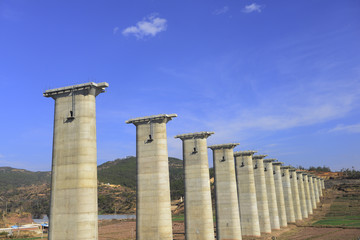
(150, 26)
(1, 156)
(355, 128)
(115, 30)
(252, 8)
(222, 10)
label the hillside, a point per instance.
(123, 172)
(26, 191)
(13, 178)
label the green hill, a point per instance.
(13, 178)
(123, 172)
(26, 191)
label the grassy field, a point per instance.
(178, 218)
(344, 211)
(347, 221)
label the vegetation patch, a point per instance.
(344, 221)
(178, 218)
(345, 209)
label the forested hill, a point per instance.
(14, 178)
(119, 172)
(22, 190)
(123, 172)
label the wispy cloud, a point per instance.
(354, 128)
(254, 7)
(292, 104)
(149, 26)
(115, 30)
(319, 107)
(222, 10)
(1, 156)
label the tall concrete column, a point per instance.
(302, 194)
(74, 207)
(198, 209)
(323, 183)
(153, 207)
(312, 191)
(289, 205)
(320, 187)
(261, 194)
(280, 193)
(271, 194)
(227, 208)
(250, 225)
(316, 188)
(308, 194)
(295, 194)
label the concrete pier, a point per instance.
(250, 225)
(227, 208)
(153, 207)
(320, 187)
(312, 191)
(271, 194)
(295, 194)
(289, 205)
(261, 194)
(280, 193)
(316, 188)
(302, 194)
(308, 194)
(198, 209)
(323, 183)
(74, 206)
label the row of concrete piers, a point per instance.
(254, 194)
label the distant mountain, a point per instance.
(14, 178)
(123, 172)
(26, 191)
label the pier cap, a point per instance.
(147, 119)
(244, 153)
(100, 87)
(259, 156)
(269, 160)
(194, 135)
(277, 163)
(221, 146)
(285, 167)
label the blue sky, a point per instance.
(280, 77)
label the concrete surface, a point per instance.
(308, 194)
(302, 195)
(289, 205)
(280, 193)
(198, 209)
(153, 213)
(227, 208)
(271, 194)
(74, 206)
(295, 194)
(261, 194)
(250, 225)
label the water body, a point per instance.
(100, 217)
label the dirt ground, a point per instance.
(302, 230)
(117, 229)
